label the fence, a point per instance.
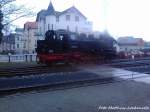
(18, 58)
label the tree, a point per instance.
(1, 25)
(12, 12)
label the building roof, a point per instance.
(51, 11)
(72, 8)
(30, 25)
(41, 15)
(130, 41)
(19, 30)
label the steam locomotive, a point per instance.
(61, 46)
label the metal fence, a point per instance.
(18, 58)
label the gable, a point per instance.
(72, 10)
(43, 13)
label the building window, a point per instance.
(40, 19)
(77, 18)
(67, 28)
(18, 38)
(17, 45)
(24, 45)
(13, 46)
(52, 26)
(40, 29)
(57, 18)
(67, 17)
(48, 27)
(76, 29)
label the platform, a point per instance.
(107, 71)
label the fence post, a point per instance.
(9, 57)
(31, 58)
(36, 59)
(132, 75)
(26, 58)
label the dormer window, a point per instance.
(67, 17)
(76, 18)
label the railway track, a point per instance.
(34, 70)
(74, 80)
(70, 84)
(130, 64)
(140, 66)
(128, 60)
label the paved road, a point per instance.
(83, 99)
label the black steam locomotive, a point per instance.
(60, 46)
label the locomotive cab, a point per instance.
(54, 48)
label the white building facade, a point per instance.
(71, 19)
(130, 44)
(19, 46)
(30, 31)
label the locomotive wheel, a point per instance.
(39, 60)
(49, 63)
(67, 63)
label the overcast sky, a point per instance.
(120, 17)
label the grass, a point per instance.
(15, 64)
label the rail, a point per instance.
(124, 60)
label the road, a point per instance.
(83, 99)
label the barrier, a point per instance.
(18, 58)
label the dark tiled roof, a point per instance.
(130, 41)
(50, 9)
(31, 25)
(41, 15)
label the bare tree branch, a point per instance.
(5, 2)
(13, 12)
(15, 19)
